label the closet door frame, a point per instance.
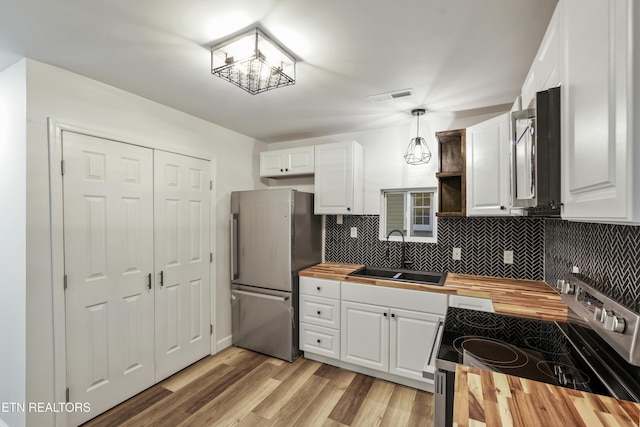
(55, 129)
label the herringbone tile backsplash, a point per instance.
(543, 249)
(608, 255)
(482, 241)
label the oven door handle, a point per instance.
(429, 370)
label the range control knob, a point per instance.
(559, 284)
(568, 288)
(597, 314)
(613, 323)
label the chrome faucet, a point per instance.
(403, 262)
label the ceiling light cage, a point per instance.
(253, 62)
(417, 152)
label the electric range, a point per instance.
(596, 350)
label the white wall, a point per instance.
(384, 164)
(13, 167)
(76, 100)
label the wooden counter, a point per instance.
(526, 298)
(493, 399)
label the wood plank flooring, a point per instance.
(237, 387)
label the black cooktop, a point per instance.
(534, 349)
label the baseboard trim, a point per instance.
(425, 386)
(223, 343)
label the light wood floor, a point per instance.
(238, 387)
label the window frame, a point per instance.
(382, 231)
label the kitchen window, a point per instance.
(410, 210)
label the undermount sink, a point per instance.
(401, 275)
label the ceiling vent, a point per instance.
(390, 95)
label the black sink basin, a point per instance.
(401, 275)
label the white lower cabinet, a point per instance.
(380, 331)
(320, 340)
(387, 339)
(411, 335)
(320, 317)
(365, 335)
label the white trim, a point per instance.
(57, 266)
(224, 343)
(213, 266)
(55, 129)
(383, 211)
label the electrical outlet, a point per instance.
(508, 257)
(339, 219)
(457, 254)
(575, 269)
(354, 232)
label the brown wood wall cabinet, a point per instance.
(451, 173)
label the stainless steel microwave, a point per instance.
(535, 155)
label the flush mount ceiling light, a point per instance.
(253, 62)
(418, 152)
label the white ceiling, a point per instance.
(458, 55)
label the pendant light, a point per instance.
(418, 152)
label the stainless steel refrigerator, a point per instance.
(274, 234)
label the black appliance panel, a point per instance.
(544, 353)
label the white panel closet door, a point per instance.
(182, 242)
(108, 242)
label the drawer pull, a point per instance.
(318, 288)
(318, 341)
(318, 312)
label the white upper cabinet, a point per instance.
(545, 71)
(287, 162)
(598, 103)
(488, 167)
(339, 178)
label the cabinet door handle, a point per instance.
(149, 281)
(281, 170)
(286, 170)
(384, 314)
(502, 208)
(348, 209)
(393, 315)
(161, 278)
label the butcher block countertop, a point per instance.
(494, 399)
(525, 298)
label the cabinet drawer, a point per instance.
(320, 340)
(320, 311)
(320, 287)
(472, 303)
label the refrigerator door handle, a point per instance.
(234, 246)
(257, 295)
